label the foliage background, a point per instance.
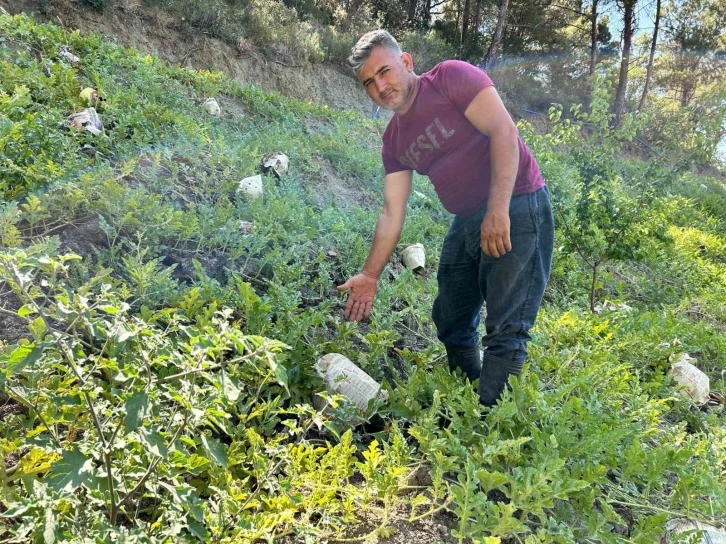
(157, 357)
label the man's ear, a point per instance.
(407, 61)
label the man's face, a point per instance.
(387, 77)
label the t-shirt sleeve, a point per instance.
(460, 82)
(390, 163)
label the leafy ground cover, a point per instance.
(158, 332)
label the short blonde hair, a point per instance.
(362, 50)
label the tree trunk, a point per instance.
(477, 15)
(628, 20)
(427, 14)
(687, 91)
(458, 24)
(493, 52)
(649, 70)
(593, 38)
(465, 24)
(411, 12)
(593, 287)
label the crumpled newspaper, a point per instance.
(87, 119)
(279, 162)
(67, 55)
(211, 106)
(696, 385)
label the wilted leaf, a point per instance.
(124, 335)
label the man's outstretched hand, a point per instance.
(360, 301)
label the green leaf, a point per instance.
(24, 355)
(401, 410)
(125, 335)
(281, 374)
(197, 529)
(154, 443)
(230, 387)
(215, 450)
(38, 328)
(50, 526)
(136, 407)
(15, 511)
(25, 310)
(70, 472)
(490, 480)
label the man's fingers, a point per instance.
(485, 246)
(358, 311)
(349, 307)
(344, 287)
(500, 246)
(496, 246)
(490, 248)
(361, 309)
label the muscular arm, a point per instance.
(396, 190)
(488, 114)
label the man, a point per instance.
(451, 125)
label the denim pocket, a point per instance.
(523, 214)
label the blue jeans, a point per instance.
(512, 287)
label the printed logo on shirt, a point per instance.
(432, 138)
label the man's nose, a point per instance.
(381, 84)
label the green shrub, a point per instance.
(267, 24)
(426, 48)
(688, 135)
(336, 45)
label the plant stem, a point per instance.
(16, 316)
(189, 372)
(429, 512)
(153, 465)
(97, 423)
(657, 509)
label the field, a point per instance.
(158, 331)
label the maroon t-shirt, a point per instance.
(435, 138)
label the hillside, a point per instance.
(157, 32)
(159, 330)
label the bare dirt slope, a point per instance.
(154, 31)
